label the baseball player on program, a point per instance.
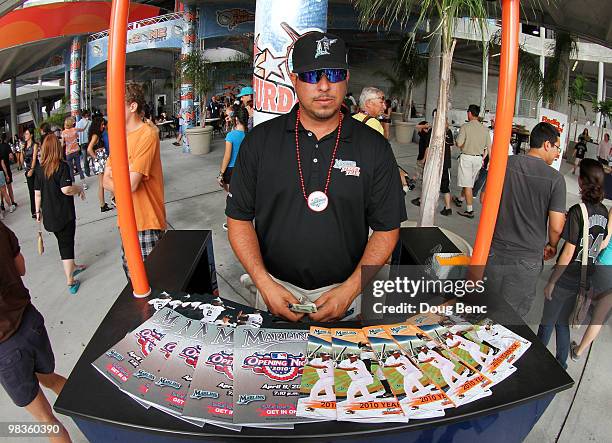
(360, 378)
(445, 366)
(457, 341)
(211, 311)
(410, 373)
(325, 370)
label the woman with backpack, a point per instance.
(568, 277)
(98, 155)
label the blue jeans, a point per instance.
(74, 160)
(556, 316)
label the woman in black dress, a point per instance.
(30, 158)
(54, 194)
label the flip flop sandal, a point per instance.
(74, 287)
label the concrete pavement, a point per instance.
(195, 201)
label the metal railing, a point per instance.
(139, 24)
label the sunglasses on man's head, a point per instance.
(332, 75)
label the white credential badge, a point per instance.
(318, 201)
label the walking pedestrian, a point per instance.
(580, 149)
(25, 350)
(17, 146)
(72, 149)
(531, 212)
(146, 175)
(30, 158)
(602, 282)
(6, 155)
(83, 125)
(605, 150)
(474, 142)
(240, 117)
(97, 152)
(566, 279)
(55, 205)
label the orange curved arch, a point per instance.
(36, 23)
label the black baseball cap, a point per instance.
(318, 50)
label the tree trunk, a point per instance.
(203, 101)
(435, 154)
(407, 100)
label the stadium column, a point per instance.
(484, 80)
(277, 27)
(600, 90)
(13, 104)
(75, 76)
(506, 94)
(187, 94)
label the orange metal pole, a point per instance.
(506, 95)
(115, 92)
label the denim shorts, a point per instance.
(22, 355)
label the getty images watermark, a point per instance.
(402, 287)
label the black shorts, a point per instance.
(227, 175)
(22, 355)
(65, 240)
(445, 181)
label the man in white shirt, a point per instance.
(410, 373)
(325, 370)
(84, 123)
(360, 378)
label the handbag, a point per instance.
(41, 244)
(98, 163)
(585, 295)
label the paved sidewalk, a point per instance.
(195, 201)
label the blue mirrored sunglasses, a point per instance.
(332, 75)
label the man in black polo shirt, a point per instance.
(315, 181)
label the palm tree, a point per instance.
(204, 74)
(446, 11)
(604, 107)
(577, 93)
(198, 71)
(558, 69)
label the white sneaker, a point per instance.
(12, 208)
(225, 226)
(85, 187)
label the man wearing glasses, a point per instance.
(314, 181)
(530, 220)
(371, 106)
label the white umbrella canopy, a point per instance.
(216, 55)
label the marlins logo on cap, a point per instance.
(323, 46)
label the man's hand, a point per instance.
(333, 304)
(549, 251)
(277, 300)
(30, 173)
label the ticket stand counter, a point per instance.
(184, 261)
